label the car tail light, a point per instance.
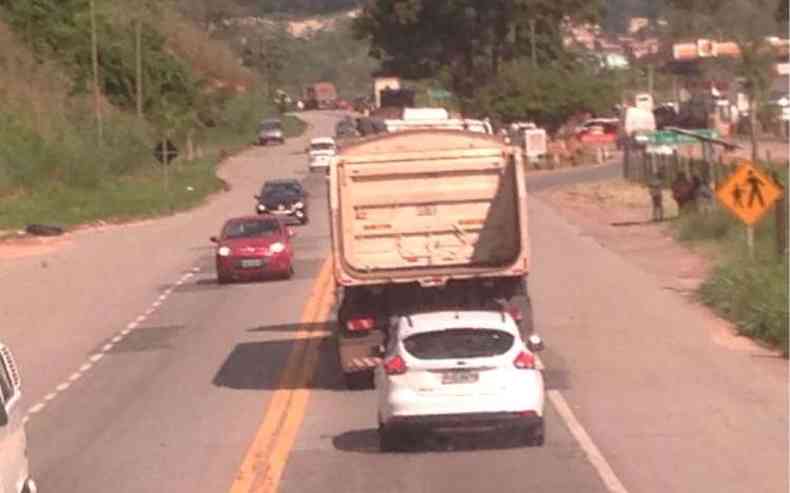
(524, 361)
(357, 324)
(395, 366)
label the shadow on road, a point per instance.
(144, 339)
(367, 441)
(260, 365)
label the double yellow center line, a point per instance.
(265, 461)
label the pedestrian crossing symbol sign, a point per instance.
(749, 193)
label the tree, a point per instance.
(747, 23)
(471, 38)
(547, 96)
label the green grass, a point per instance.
(750, 292)
(71, 182)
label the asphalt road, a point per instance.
(192, 396)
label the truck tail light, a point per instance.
(363, 323)
(395, 366)
(524, 361)
(514, 312)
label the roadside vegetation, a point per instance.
(752, 293)
(55, 168)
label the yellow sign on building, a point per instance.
(749, 193)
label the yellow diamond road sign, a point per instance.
(748, 193)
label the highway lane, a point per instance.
(171, 405)
(177, 403)
(658, 403)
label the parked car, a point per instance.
(437, 366)
(14, 467)
(271, 131)
(321, 152)
(285, 198)
(253, 247)
(346, 128)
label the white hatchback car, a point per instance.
(457, 370)
(320, 152)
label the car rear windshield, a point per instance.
(286, 188)
(252, 228)
(322, 147)
(271, 126)
(458, 343)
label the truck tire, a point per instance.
(359, 380)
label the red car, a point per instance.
(252, 247)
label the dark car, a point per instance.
(252, 247)
(285, 198)
(271, 131)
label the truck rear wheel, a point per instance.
(359, 380)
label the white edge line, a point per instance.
(125, 332)
(106, 347)
(594, 455)
(86, 367)
(157, 304)
(37, 408)
(75, 376)
(117, 339)
(50, 396)
(96, 357)
(63, 386)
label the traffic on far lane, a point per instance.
(254, 247)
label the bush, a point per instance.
(754, 296)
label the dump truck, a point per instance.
(320, 96)
(424, 220)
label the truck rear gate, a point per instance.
(447, 212)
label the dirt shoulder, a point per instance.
(600, 209)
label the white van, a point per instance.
(14, 468)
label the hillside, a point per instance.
(65, 159)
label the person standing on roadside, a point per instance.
(655, 187)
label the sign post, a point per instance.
(749, 194)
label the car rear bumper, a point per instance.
(230, 267)
(467, 421)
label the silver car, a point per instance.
(271, 131)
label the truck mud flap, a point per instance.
(357, 354)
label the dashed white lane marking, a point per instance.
(37, 408)
(594, 455)
(95, 358)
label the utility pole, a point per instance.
(650, 80)
(139, 63)
(532, 43)
(95, 57)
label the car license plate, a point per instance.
(281, 211)
(251, 262)
(453, 377)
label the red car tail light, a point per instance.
(357, 324)
(524, 361)
(395, 366)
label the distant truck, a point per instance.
(424, 220)
(320, 96)
(381, 83)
